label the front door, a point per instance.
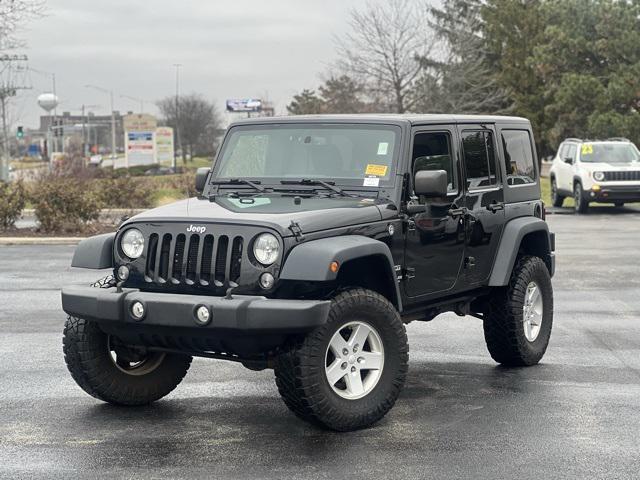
(435, 237)
(484, 201)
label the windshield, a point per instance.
(352, 155)
(609, 153)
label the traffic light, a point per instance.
(20, 133)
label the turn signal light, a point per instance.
(334, 266)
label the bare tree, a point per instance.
(198, 123)
(382, 49)
(13, 15)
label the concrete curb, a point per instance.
(40, 240)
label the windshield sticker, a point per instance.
(249, 202)
(383, 148)
(376, 170)
(587, 149)
(371, 182)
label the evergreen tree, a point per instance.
(306, 102)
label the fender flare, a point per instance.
(514, 231)
(95, 252)
(310, 261)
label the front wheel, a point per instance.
(347, 373)
(116, 373)
(556, 199)
(517, 323)
(581, 204)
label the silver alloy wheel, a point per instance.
(532, 312)
(146, 364)
(354, 360)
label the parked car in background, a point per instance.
(604, 171)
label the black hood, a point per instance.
(274, 211)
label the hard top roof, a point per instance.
(382, 118)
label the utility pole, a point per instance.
(114, 153)
(178, 141)
(52, 118)
(8, 88)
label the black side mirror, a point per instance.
(568, 160)
(201, 178)
(430, 183)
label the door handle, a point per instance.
(495, 206)
(457, 212)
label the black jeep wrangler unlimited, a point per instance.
(312, 242)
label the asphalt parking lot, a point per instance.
(573, 416)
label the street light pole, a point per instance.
(135, 99)
(178, 141)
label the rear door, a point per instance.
(484, 200)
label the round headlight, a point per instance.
(266, 248)
(599, 176)
(132, 243)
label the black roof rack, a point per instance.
(572, 139)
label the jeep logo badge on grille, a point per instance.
(196, 229)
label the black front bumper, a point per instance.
(242, 314)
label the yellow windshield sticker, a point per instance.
(587, 149)
(377, 170)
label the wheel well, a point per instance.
(372, 272)
(537, 244)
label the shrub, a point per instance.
(12, 200)
(124, 192)
(64, 204)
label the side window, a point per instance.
(432, 151)
(479, 159)
(518, 157)
(571, 152)
(562, 152)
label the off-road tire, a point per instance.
(556, 199)
(300, 371)
(619, 204)
(581, 205)
(88, 359)
(89, 362)
(503, 320)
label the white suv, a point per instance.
(596, 171)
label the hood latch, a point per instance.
(296, 230)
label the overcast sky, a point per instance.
(228, 49)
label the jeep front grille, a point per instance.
(193, 259)
(629, 176)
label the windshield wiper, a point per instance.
(240, 181)
(308, 181)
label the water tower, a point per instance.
(48, 102)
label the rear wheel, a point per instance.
(619, 204)
(556, 199)
(347, 373)
(581, 204)
(517, 324)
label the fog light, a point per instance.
(267, 280)
(203, 315)
(137, 310)
(123, 273)
(596, 188)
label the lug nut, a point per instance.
(345, 351)
(355, 348)
(360, 359)
(344, 365)
(353, 369)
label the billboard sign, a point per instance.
(244, 105)
(164, 145)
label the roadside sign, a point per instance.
(164, 145)
(139, 139)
